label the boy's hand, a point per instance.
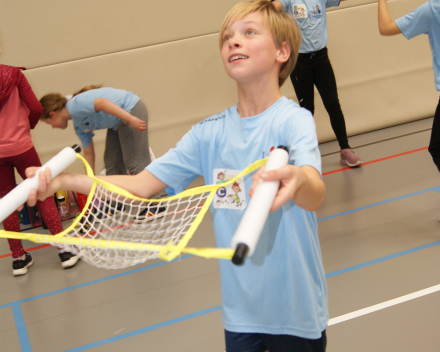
(137, 124)
(46, 188)
(301, 184)
(291, 178)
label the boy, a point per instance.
(277, 300)
(423, 20)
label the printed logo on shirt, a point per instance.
(212, 119)
(232, 196)
(299, 11)
(316, 11)
(265, 154)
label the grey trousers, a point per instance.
(127, 148)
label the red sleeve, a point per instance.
(29, 98)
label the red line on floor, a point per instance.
(376, 161)
(27, 250)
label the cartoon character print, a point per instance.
(220, 178)
(299, 11)
(231, 196)
(236, 197)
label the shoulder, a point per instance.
(215, 121)
(290, 109)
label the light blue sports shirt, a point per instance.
(312, 20)
(85, 119)
(425, 20)
(281, 289)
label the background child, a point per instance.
(314, 68)
(122, 113)
(19, 113)
(277, 300)
(423, 20)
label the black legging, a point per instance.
(315, 69)
(434, 143)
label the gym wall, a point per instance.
(167, 53)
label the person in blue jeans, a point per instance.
(277, 300)
(314, 68)
(423, 20)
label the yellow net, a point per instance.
(117, 229)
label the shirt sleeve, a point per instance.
(331, 3)
(287, 5)
(82, 105)
(301, 137)
(31, 101)
(180, 165)
(84, 137)
(416, 22)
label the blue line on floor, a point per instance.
(21, 328)
(437, 189)
(148, 328)
(379, 260)
(95, 281)
(24, 340)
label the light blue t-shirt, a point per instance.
(312, 20)
(425, 20)
(85, 119)
(281, 288)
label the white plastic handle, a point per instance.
(248, 232)
(18, 196)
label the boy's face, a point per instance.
(249, 52)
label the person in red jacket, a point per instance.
(20, 111)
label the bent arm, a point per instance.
(142, 185)
(102, 104)
(31, 101)
(387, 26)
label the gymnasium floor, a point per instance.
(380, 240)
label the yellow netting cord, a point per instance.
(117, 229)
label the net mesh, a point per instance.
(116, 229)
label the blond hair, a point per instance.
(56, 101)
(281, 25)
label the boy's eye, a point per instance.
(250, 32)
(226, 38)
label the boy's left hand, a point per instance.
(292, 179)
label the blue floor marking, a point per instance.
(379, 260)
(148, 328)
(95, 281)
(21, 327)
(437, 189)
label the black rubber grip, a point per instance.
(240, 254)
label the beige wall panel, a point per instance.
(181, 83)
(382, 81)
(45, 32)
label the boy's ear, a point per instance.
(284, 52)
(52, 114)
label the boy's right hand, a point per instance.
(46, 186)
